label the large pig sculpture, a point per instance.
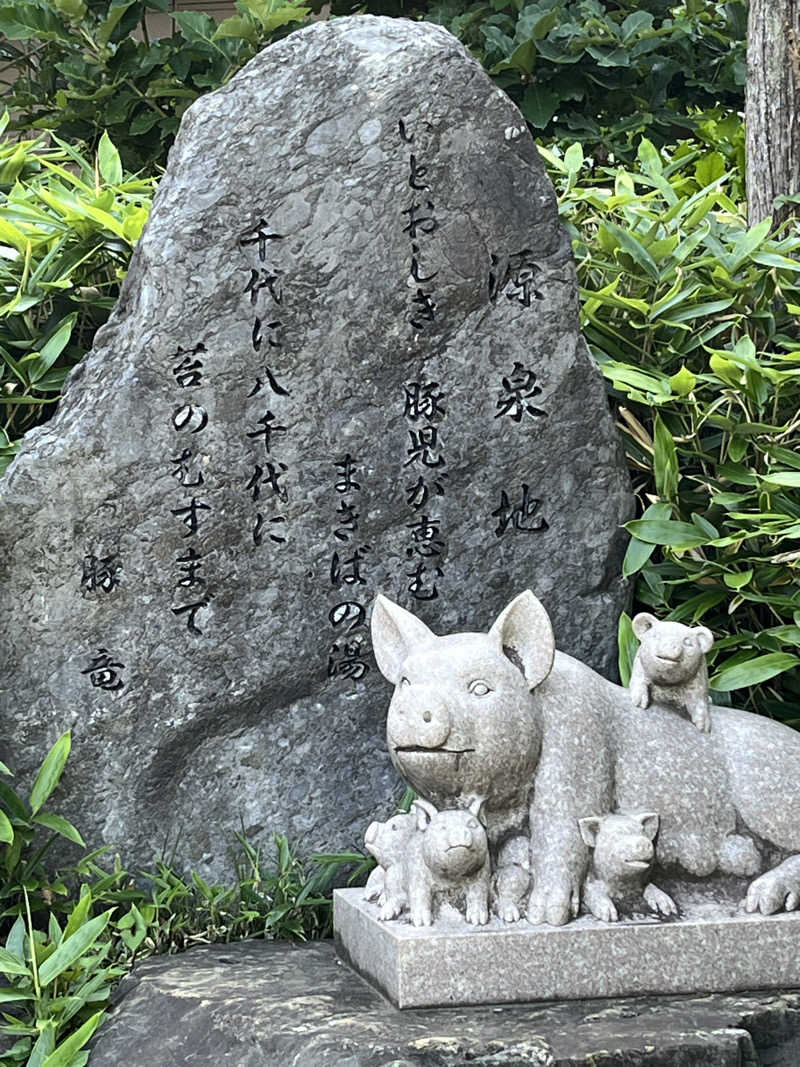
(545, 740)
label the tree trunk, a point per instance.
(773, 108)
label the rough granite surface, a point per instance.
(267, 1004)
(346, 359)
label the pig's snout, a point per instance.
(460, 837)
(418, 718)
(372, 833)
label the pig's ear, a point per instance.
(424, 811)
(524, 631)
(588, 828)
(395, 632)
(649, 821)
(475, 807)
(704, 637)
(642, 623)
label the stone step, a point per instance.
(270, 1004)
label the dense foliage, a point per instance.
(67, 229)
(604, 72)
(86, 66)
(693, 318)
(65, 940)
(597, 71)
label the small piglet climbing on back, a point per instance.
(622, 858)
(670, 668)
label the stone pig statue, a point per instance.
(545, 740)
(670, 668)
(622, 858)
(445, 855)
(388, 842)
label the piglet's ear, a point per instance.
(649, 821)
(475, 807)
(424, 811)
(705, 638)
(525, 634)
(395, 632)
(588, 828)
(642, 623)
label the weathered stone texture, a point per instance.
(263, 1004)
(341, 356)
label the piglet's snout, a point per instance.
(640, 848)
(372, 833)
(418, 718)
(459, 836)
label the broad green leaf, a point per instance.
(237, 26)
(665, 461)
(50, 772)
(45, 1044)
(628, 644)
(108, 160)
(6, 829)
(710, 168)
(790, 479)
(666, 532)
(752, 671)
(539, 105)
(738, 579)
(73, 947)
(10, 965)
(59, 825)
(64, 1055)
(635, 23)
(683, 382)
(639, 552)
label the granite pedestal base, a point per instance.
(713, 946)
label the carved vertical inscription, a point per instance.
(347, 654)
(424, 464)
(265, 481)
(191, 594)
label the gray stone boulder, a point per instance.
(265, 1004)
(346, 360)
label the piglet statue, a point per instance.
(622, 858)
(445, 856)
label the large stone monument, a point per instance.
(346, 359)
(551, 800)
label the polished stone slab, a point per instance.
(713, 946)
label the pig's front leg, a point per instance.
(420, 902)
(477, 899)
(394, 895)
(575, 776)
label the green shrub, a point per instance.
(80, 71)
(66, 940)
(603, 72)
(67, 230)
(693, 319)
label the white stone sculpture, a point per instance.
(670, 668)
(545, 740)
(428, 856)
(622, 859)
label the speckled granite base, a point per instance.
(269, 1004)
(713, 946)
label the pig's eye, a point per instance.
(479, 688)
(472, 824)
(404, 681)
(688, 641)
(394, 827)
